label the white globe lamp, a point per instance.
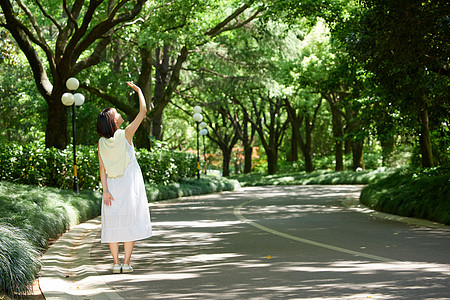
(72, 83)
(197, 109)
(78, 99)
(204, 131)
(197, 117)
(67, 99)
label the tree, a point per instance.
(270, 123)
(307, 117)
(405, 44)
(82, 33)
(166, 36)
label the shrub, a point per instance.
(421, 194)
(34, 164)
(19, 262)
(316, 177)
(30, 217)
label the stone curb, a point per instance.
(355, 204)
(67, 272)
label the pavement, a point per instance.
(277, 242)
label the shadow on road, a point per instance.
(200, 250)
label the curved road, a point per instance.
(281, 242)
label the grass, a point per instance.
(409, 194)
(317, 177)
(32, 216)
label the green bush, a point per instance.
(190, 187)
(316, 177)
(421, 194)
(19, 261)
(34, 164)
(30, 217)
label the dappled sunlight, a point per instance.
(198, 224)
(201, 251)
(301, 244)
(365, 267)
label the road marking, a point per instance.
(238, 214)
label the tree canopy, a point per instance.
(301, 83)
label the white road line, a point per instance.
(238, 214)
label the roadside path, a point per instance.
(291, 242)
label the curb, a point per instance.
(67, 272)
(356, 205)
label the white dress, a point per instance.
(128, 217)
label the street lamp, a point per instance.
(69, 99)
(204, 132)
(198, 118)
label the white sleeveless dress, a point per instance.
(128, 217)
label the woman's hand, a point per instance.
(107, 198)
(133, 86)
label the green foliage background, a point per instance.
(34, 164)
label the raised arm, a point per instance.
(133, 126)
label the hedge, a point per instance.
(35, 164)
(408, 193)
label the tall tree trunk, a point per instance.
(307, 146)
(248, 151)
(294, 144)
(161, 82)
(295, 125)
(157, 125)
(388, 146)
(425, 140)
(272, 161)
(56, 133)
(338, 134)
(145, 82)
(226, 162)
(358, 159)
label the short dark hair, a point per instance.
(105, 123)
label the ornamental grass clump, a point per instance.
(412, 194)
(19, 261)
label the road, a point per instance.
(281, 242)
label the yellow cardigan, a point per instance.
(113, 152)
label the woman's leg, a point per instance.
(114, 247)
(128, 247)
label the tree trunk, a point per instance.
(294, 145)
(358, 159)
(272, 161)
(161, 81)
(307, 146)
(56, 133)
(338, 134)
(425, 140)
(145, 82)
(248, 151)
(388, 146)
(157, 126)
(226, 163)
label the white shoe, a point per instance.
(127, 268)
(117, 268)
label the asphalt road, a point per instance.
(281, 242)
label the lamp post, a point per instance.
(204, 132)
(198, 118)
(69, 99)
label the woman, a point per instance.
(125, 214)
